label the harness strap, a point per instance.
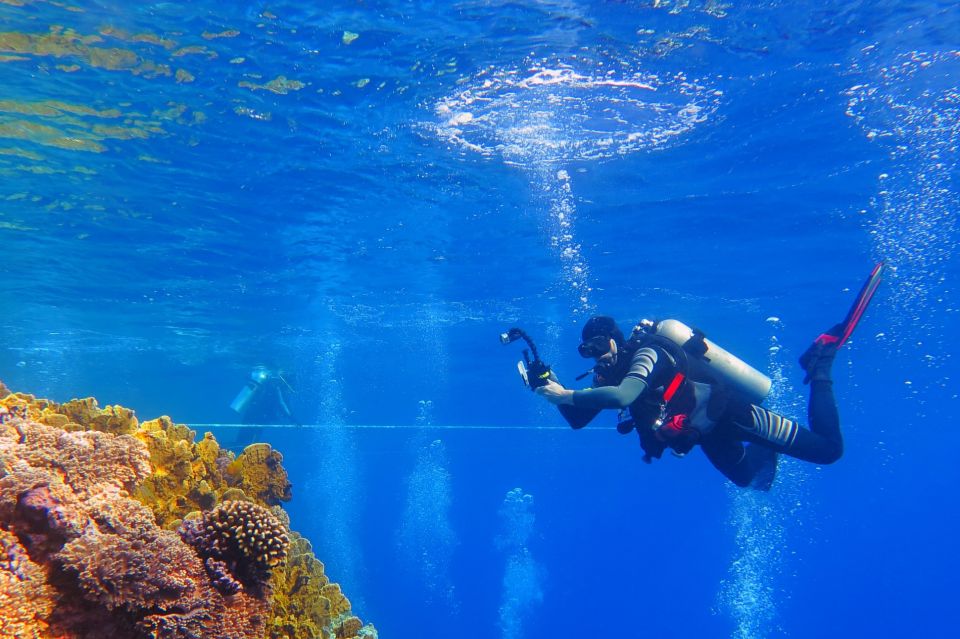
(672, 387)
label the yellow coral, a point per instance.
(300, 611)
(261, 475)
(77, 414)
(186, 476)
(339, 604)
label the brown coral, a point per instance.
(132, 564)
(243, 537)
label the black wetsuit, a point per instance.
(268, 405)
(723, 423)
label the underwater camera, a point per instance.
(534, 372)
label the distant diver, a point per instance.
(677, 389)
(263, 399)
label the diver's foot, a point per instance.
(817, 360)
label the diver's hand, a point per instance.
(555, 393)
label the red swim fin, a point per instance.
(840, 333)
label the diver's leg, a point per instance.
(823, 442)
(753, 465)
(727, 456)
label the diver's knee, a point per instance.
(832, 454)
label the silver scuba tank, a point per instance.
(715, 362)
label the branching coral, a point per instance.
(243, 537)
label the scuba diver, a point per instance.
(263, 400)
(679, 389)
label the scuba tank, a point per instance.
(709, 361)
(258, 376)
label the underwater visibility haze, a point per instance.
(354, 198)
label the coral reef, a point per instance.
(89, 502)
(109, 570)
(240, 541)
(188, 475)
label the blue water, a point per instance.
(365, 194)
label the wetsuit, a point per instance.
(265, 406)
(268, 405)
(719, 423)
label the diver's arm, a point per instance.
(579, 407)
(577, 417)
(286, 409)
(647, 364)
(610, 396)
(554, 392)
(597, 399)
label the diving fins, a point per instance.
(856, 311)
(828, 342)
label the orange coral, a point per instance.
(86, 461)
